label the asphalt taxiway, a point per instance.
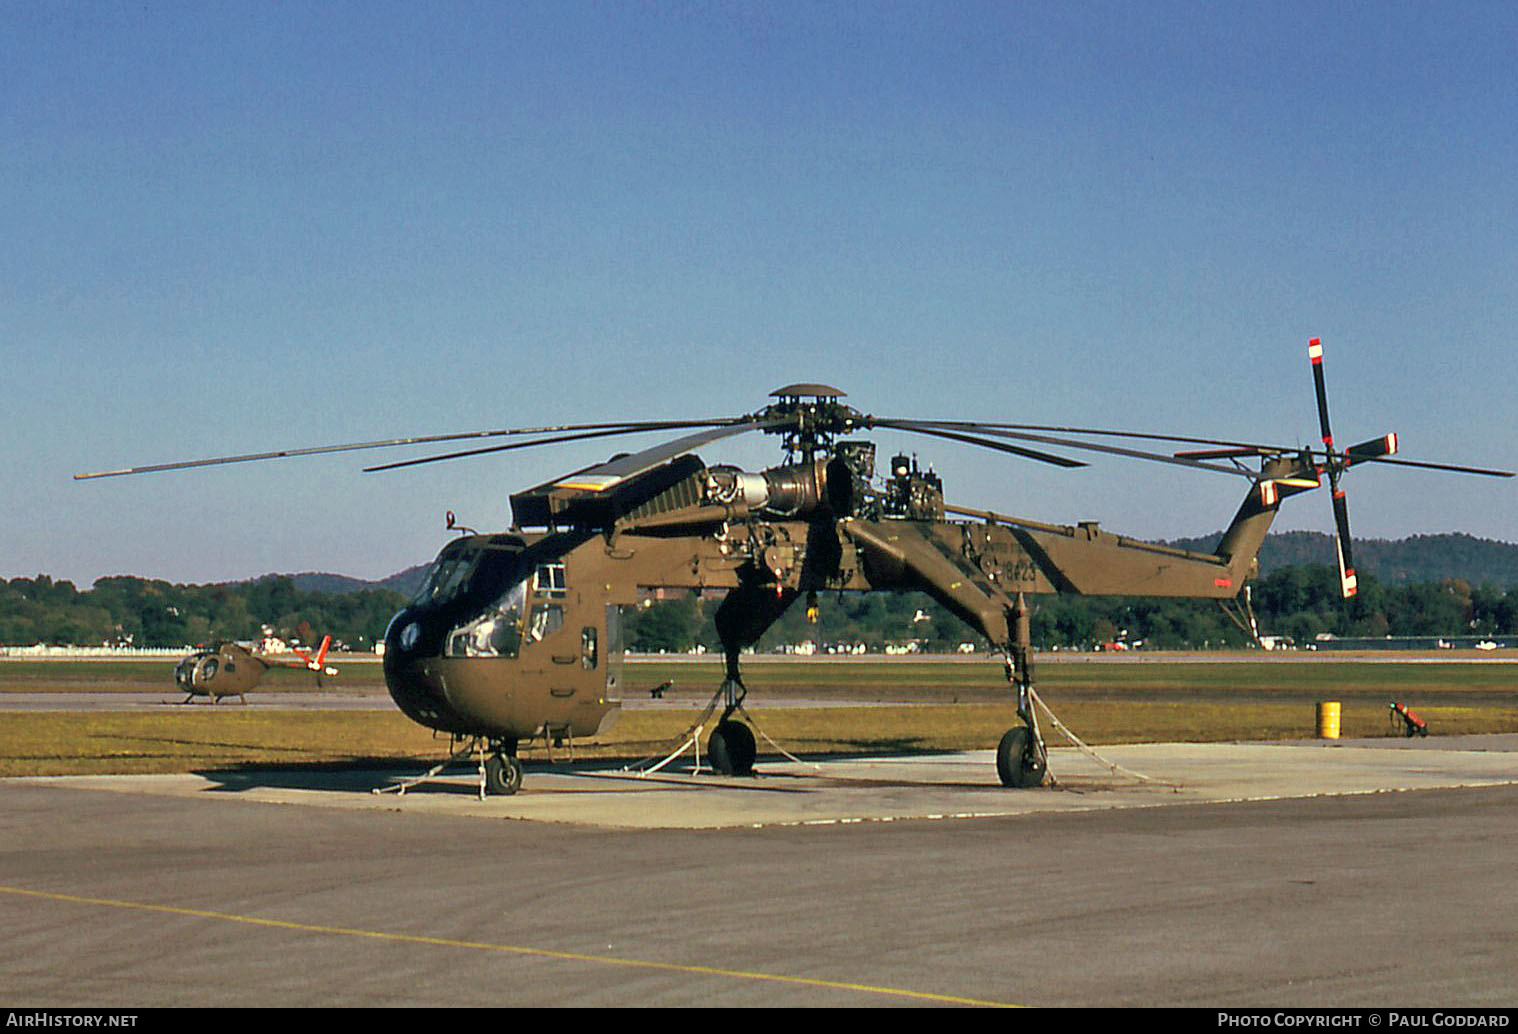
(1369, 873)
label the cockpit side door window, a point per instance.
(549, 580)
(546, 620)
(588, 657)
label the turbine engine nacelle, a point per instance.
(833, 485)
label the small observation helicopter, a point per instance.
(231, 669)
(517, 634)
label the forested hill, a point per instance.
(1421, 558)
(404, 582)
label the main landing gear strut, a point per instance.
(731, 747)
(1021, 759)
(741, 619)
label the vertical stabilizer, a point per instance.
(1280, 476)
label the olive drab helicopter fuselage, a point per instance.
(517, 635)
(231, 670)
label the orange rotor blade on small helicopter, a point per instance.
(314, 664)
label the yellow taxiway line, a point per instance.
(444, 942)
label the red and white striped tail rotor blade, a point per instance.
(1315, 353)
(1347, 581)
(1386, 445)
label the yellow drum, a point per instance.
(1328, 720)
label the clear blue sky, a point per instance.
(229, 227)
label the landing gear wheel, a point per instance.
(1013, 764)
(732, 748)
(503, 775)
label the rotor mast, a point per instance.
(812, 418)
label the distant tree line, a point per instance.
(138, 612)
(1301, 602)
(1298, 601)
(1418, 558)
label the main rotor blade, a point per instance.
(557, 439)
(943, 432)
(1070, 443)
(1228, 448)
(1253, 447)
(613, 472)
(625, 426)
(1221, 454)
(1399, 462)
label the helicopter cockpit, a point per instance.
(196, 670)
(226, 670)
(493, 625)
(485, 596)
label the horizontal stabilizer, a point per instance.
(1273, 490)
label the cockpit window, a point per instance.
(471, 572)
(448, 577)
(497, 632)
(549, 579)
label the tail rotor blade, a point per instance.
(1334, 463)
(1347, 581)
(1383, 446)
(1315, 353)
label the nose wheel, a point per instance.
(503, 773)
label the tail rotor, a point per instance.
(1335, 463)
(318, 663)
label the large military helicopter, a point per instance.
(231, 669)
(516, 634)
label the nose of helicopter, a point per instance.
(414, 683)
(416, 691)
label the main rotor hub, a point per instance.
(812, 417)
